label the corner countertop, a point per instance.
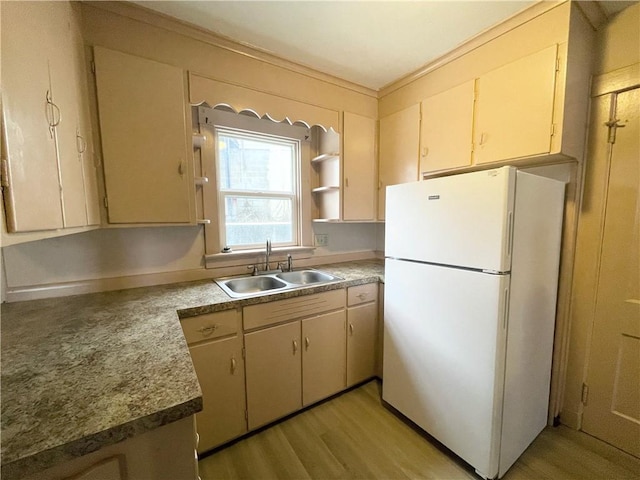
(83, 372)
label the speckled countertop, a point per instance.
(83, 372)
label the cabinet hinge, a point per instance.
(557, 64)
(585, 394)
(553, 129)
(4, 173)
(106, 202)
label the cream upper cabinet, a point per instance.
(399, 144)
(48, 140)
(215, 344)
(142, 106)
(446, 129)
(274, 373)
(514, 109)
(323, 356)
(359, 167)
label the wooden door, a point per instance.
(362, 339)
(220, 369)
(324, 357)
(399, 144)
(147, 162)
(359, 167)
(33, 197)
(612, 410)
(274, 373)
(446, 129)
(514, 109)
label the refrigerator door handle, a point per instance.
(505, 306)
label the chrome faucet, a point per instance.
(267, 254)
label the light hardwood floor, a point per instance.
(353, 436)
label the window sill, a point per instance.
(245, 257)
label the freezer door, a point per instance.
(462, 220)
(444, 348)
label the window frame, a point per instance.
(294, 195)
(205, 119)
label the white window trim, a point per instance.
(208, 119)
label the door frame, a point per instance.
(574, 358)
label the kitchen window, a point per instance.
(256, 175)
(258, 188)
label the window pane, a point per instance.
(251, 164)
(252, 220)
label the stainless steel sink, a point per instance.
(305, 277)
(246, 286)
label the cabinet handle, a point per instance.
(483, 138)
(51, 113)
(346, 182)
(208, 330)
(295, 347)
(362, 296)
(233, 365)
(81, 143)
(181, 168)
(351, 329)
(306, 343)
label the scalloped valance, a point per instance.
(213, 93)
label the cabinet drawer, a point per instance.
(211, 325)
(256, 316)
(362, 294)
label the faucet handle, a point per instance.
(253, 268)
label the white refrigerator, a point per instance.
(471, 274)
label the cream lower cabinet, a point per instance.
(298, 360)
(274, 373)
(323, 357)
(362, 332)
(215, 345)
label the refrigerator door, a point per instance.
(444, 348)
(462, 220)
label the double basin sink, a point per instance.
(239, 287)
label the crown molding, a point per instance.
(478, 40)
(166, 22)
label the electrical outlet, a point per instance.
(321, 239)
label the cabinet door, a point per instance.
(514, 109)
(359, 158)
(33, 196)
(399, 144)
(323, 360)
(274, 373)
(362, 339)
(67, 79)
(446, 129)
(147, 162)
(220, 369)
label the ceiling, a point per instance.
(371, 43)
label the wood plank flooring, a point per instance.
(353, 436)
